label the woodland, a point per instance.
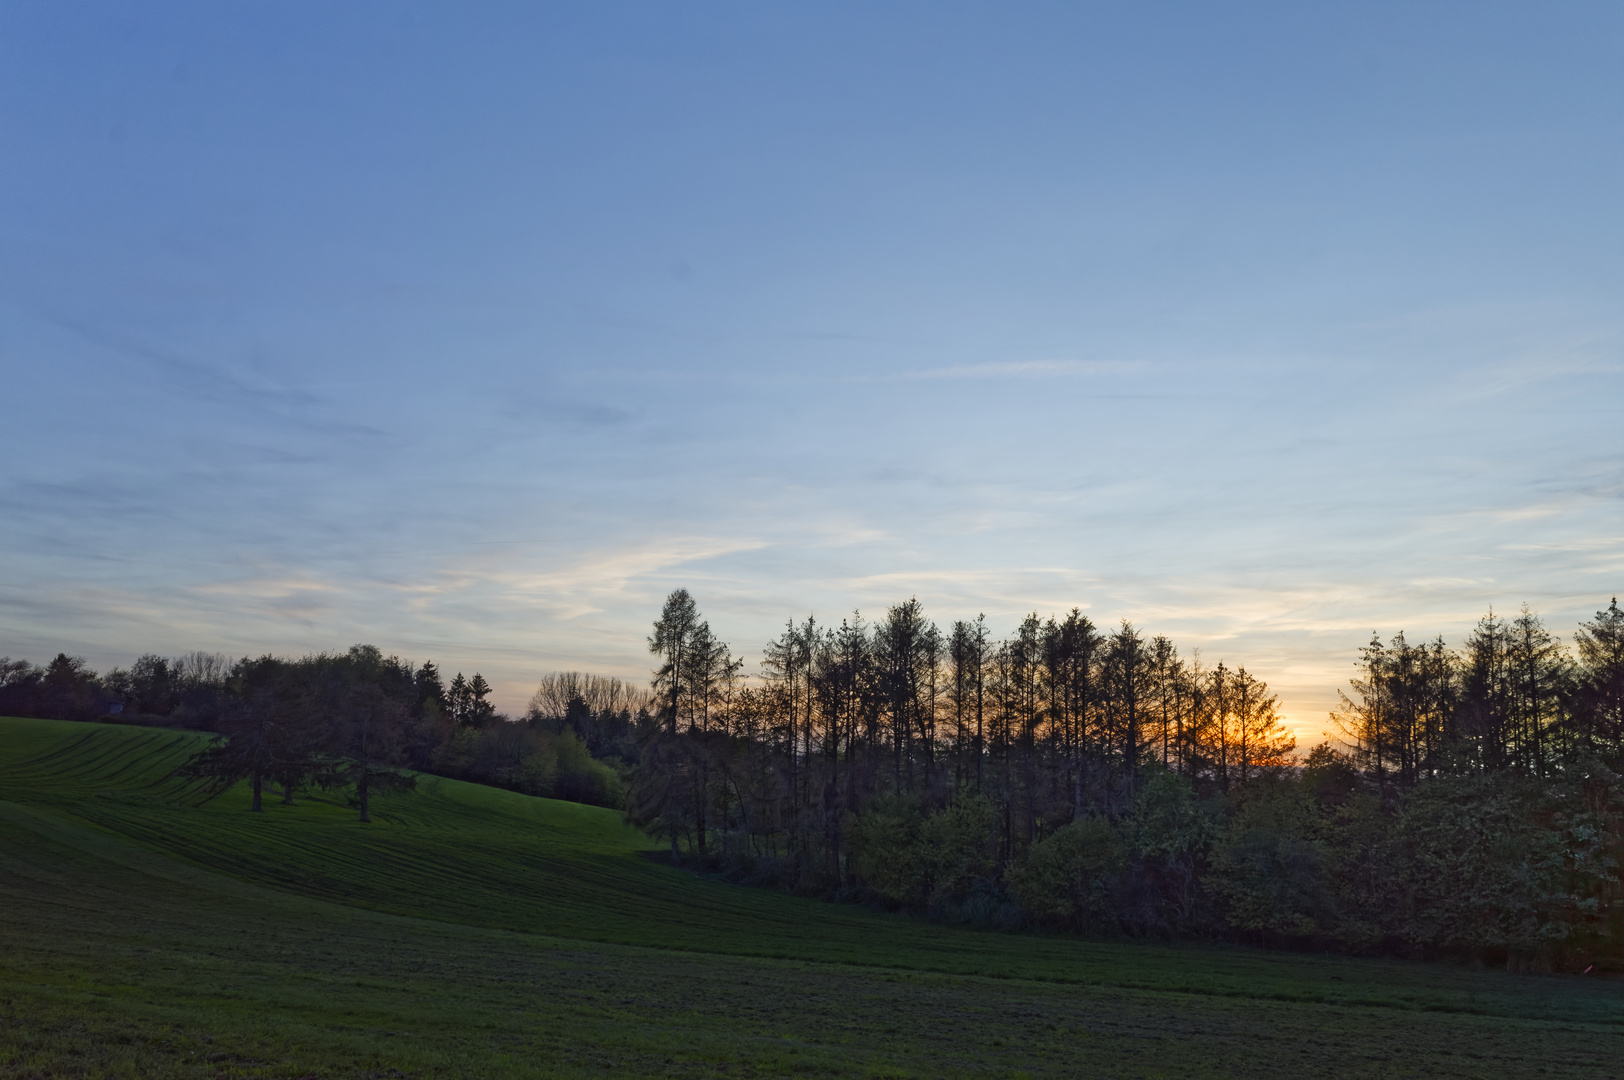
(1067, 777)
(1095, 780)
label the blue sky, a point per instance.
(472, 330)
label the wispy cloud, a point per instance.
(1553, 363)
(613, 571)
(1013, 369)
(216, 383)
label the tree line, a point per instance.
(357, 722)
(1065, 775)
(1095, 778)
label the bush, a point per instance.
(1070, 877)
(1268, 869)
(917, 859)
(1487, 868)
(885, 847)
(580, 777)
(954, 849)
(517, 756)
(1171, 831)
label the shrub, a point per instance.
(1070, 877)
(910, 857)
(1269, 870)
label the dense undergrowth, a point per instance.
(1495, 870)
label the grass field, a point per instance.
(145, 931)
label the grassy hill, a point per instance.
(146, 930)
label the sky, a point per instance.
(471, 331)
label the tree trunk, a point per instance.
(699, 809)
(361, 790)
(258, 783)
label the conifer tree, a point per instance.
(1599, 719)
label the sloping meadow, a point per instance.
(152, 928)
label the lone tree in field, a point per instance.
(269, 734)
(364, 701)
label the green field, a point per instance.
(145, 931)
